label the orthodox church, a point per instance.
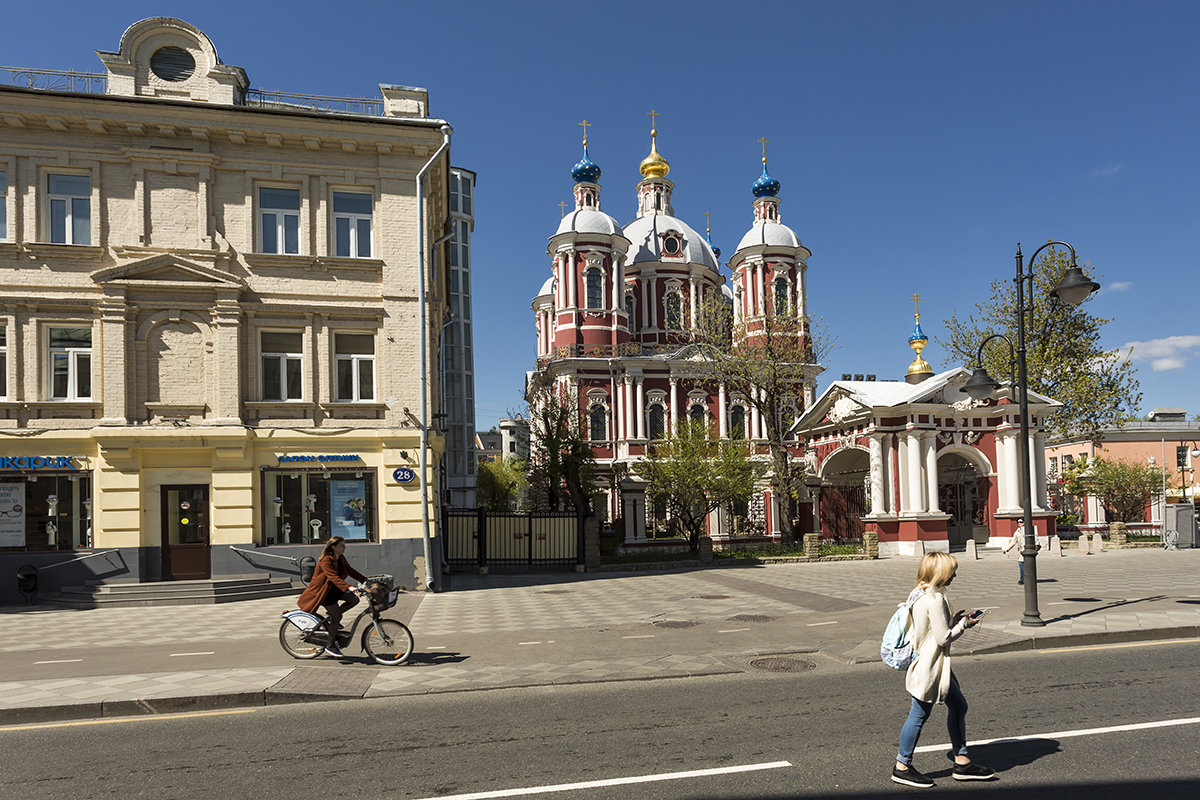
(916, 461)
(615, 318)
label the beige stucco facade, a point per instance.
(137, 349)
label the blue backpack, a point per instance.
(896, 649)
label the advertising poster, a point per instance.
(12, 515)
(348, 507)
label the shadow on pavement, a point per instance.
(435, 659)
(1107, 607)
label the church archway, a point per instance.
(844, 497)
(963, 494)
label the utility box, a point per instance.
(1181, 518)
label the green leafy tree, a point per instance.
(1124, 487)
(562, 467)
(766, 361)
(500, 484)
(693, 474)
(1098, 388)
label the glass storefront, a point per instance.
(46, 511)
(306, 507)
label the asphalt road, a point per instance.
(829, 732)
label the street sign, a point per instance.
(404, 475)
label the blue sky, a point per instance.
(916, 142)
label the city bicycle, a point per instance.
(387, 641)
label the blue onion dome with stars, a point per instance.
(586, 171)
(918, 335)
(765, 186)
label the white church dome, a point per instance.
(645, 236)
(770, 233)
(586, 220)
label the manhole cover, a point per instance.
(710, 597)
(676, 623)
(752, 618)
(782, 664)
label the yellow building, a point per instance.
(210, 332)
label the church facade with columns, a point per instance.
(921, 463)
(617, 319)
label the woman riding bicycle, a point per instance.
(328, 588)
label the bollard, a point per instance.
(1097, 543)
(972, 553)
(812, 545)
(1084, 544)
(308, 565)
(1055, 546)
(27, 582)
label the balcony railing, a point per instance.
(55, 80)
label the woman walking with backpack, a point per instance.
(929, 679)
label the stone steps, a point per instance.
(96, 594)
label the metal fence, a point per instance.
(477, 538)
(55, 80)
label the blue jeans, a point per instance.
(956, 723)
(1021, 568)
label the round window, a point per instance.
(172, 64)
(671, 246)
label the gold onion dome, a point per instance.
(654, 165)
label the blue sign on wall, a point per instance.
(404, 475)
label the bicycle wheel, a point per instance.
(299, 643)
(388, 642)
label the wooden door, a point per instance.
(185, 533)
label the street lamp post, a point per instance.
(1072, 290)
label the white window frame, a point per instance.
(279, 221)
(73, 355)
(355, 360)
(352, 220)
(69, 209)
(284, 359)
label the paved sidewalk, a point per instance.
(507, 631)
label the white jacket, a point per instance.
(931, 633)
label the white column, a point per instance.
(889, 489)
(931, 472)
(916, 488)
(673, 400)
(568, 276)
(1037, 471)
(752, 428)
(1006, 478)
(641, 408)
(626, 409)
(722, 417)
(645, 302)
(692, 283)
(876, 449)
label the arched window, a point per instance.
(737, 423)
(656, 426)
(697, 413)
(597, 417)
(674, 304)
(595, 288)
(630, 308)
(781, 297)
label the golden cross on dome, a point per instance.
(764, 141)
(585, 125)
(708, 222)
(916, 298)
(562, 209)
(654, 115)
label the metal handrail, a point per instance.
(55, 80)
(80, 558)
(365, 106)
(247, 553)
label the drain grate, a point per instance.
(752, 618)
(782, 664)
(675, 623)
(710, 597)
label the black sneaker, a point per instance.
(910, 777)
(973, 772)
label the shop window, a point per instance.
(282, 365)
(46, 511)
(278, 220)
(70, 209)
(352, 224)
(70, 363)
(355, 356)
(309, 507)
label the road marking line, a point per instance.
(119, 720)
(1116, 646)
(60, 661)
(734, 630)
(642, 636)
(815, 624)
(566, 787)
(528, 643)
(205, 653)
(1136, 726)
(435, 647)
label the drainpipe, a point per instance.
(422, 345)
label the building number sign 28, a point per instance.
(404, 475)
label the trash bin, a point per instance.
(1182, 519)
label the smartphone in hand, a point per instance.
(978, 613)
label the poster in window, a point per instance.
(12, 515)
(348, 504)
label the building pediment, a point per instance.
(168, 271)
